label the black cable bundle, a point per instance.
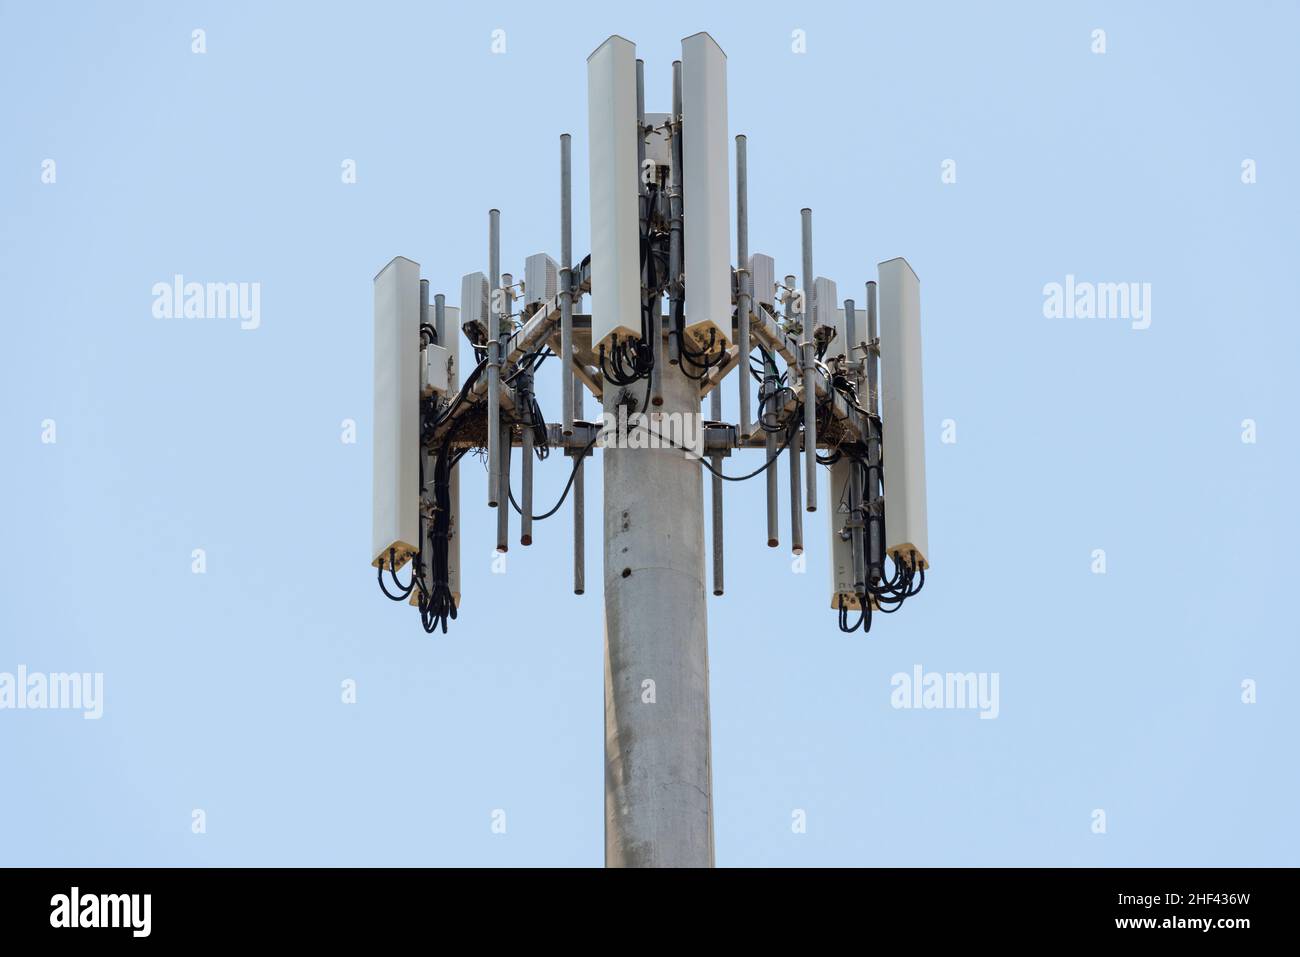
(437, 608)
(530, 363)
(702, 359)
(403, 591)
(864, 616)
(631, 359)
(908, 575)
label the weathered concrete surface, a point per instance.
(658, 774)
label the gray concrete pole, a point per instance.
(658, 778)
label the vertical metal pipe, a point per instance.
(646, 213)
(452, 343)
(873, 351)
(424, 305)
(676, 290)
(494, 249)
(526, 464)
(424, 371)
(875, 544)
(494, 360)
(796, 492)
(503, 480)
(640, 123)
(810, 369)
(744, 293)
(715, 413)
(796, 497)
(677, 90)
(851, 341)
(579, 503)
(658, 348)
(505, 433)
(566, 283)
(773, 536)
(856, 514)
(440, 322)
(422, 564)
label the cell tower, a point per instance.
(670, 316)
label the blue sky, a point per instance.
(1120, 692)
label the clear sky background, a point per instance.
(1120, 692)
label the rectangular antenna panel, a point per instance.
(437, 372)
(396, 413)
(541, 279)
(762, 280)
(437, 365)
(615, 223)
(474, 307)
(842, 548)
(706, 196)
(824, 304)
(901, 411)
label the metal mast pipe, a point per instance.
(856, 490)
(809, 388)
(526, 462)
(742, 273)
(770, 450)
(440, 319)
(796, 491)
(675, 215)
(566, 296)
(875, 544)
(715, 414)
(579, 502)
(504, 437)
(494, 359)
(873, 352)
(424, 305)
(850, 334)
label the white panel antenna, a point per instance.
(541, 279)
(904, 418)
(396, 414)
(706, 193)
(762, 279)
(437, 366)
(841, 558)
(474, 307)
(615, 223)
(824, 306)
